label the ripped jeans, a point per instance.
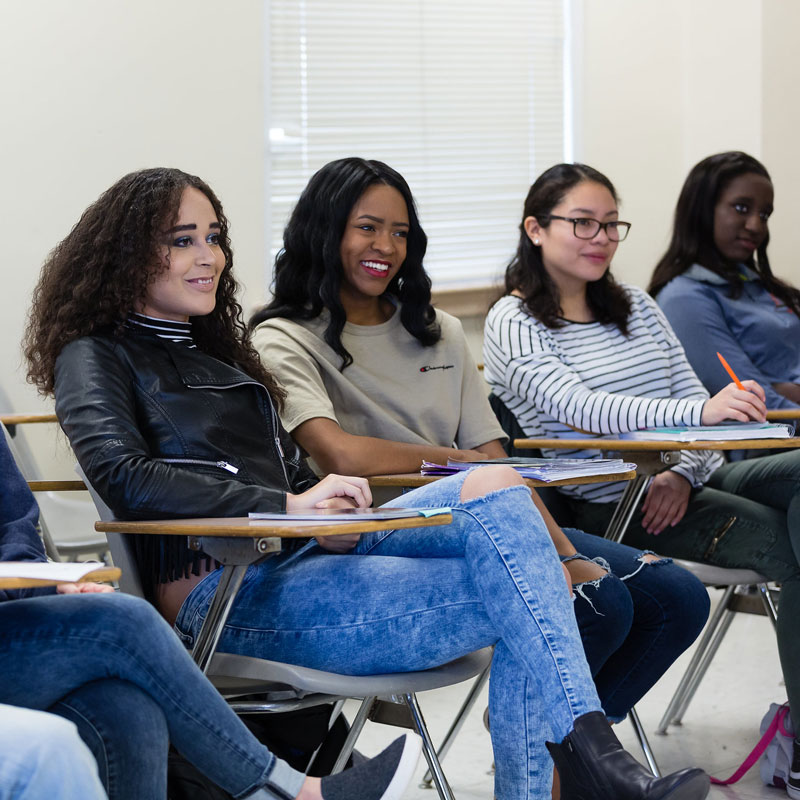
(411, 599)
(634, 622)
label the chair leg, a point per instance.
(708, 657)
(702, 647)
(335, 712)
(650, 757)
(442, 786)
(355, 731)
(769, 604)
(458, 723)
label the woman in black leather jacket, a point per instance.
(170, 413)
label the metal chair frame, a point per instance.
(389, 699)
(734, 582)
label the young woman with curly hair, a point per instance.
(715, 284)
(164, 427)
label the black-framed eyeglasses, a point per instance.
(588, 228)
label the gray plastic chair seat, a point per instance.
(721, 576)
(235, 674)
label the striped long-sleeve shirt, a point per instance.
(590, 376)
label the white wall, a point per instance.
(666, 84)
(92, 89)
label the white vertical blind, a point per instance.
(466, 99)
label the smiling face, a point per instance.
(193, 262)
(741, 214)
(373, 246)
(572, 262)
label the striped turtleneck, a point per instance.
(163, 328)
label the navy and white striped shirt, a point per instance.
(588, 375)
(163, 328)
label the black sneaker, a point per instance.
(793, 784)
(384, 777)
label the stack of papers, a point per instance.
(726, 431)
(322, 516)
(543, 469)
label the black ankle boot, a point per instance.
(593, 765)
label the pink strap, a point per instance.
(763, 742)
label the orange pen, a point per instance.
(731, 372)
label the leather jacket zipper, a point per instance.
(274, 419)
(281, 456)
(202, 462)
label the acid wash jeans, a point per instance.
(42, 757)
(413, 599)
(109, 663)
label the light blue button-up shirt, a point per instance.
(758, 335)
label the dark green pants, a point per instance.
(764, 496)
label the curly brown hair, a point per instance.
(95, 277)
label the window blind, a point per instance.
(465, 99)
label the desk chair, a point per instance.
(390, 699)
(738, 584)
(67, 523)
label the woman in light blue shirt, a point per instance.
(715, 284)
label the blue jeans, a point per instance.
(634, 622)
(763, 494)
(110, 663)
(411, 599)
(43, 758)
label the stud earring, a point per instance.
(536, 242)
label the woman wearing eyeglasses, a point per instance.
(568, 347)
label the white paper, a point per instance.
(48, 570)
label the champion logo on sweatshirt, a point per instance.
(443, 366)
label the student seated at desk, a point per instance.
(170, 413)
(108, 663)
(568, 347)
(377, 381)
(716, 287)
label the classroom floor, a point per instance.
(719, 729)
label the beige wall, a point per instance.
(90, 90)
(665, 84)
(662, 85)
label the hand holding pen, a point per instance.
(741, 401)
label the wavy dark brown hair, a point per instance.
(527, 274)
(308, 269)
(692, 239)
(100, 272)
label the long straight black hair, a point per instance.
(308, 270)
(693, 229)
(527, 274)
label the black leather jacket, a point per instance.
(163, 430)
